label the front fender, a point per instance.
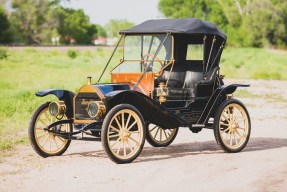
(63, 95)
(152, 111)
(215, 98)
(228, 89)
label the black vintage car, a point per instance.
(168, 77)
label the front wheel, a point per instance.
(44, 143)
(232, 126)
(159, 137)
(123, 133)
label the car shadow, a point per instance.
(207, 147)
(192, 148)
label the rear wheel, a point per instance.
(123, 133)
(159, 137)
(44, 143)
(232, 126)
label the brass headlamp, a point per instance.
(96, 109)
(57, 109)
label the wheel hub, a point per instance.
(125, 134)
(234, 125)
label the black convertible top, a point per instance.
(178, 26)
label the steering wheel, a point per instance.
(160, 72)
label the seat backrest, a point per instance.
(177, 76)
(193, 76)
(206, 87)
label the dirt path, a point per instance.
(193, 162)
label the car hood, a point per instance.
(109, 87)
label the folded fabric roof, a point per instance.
(176, 26)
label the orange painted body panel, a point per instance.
(146, 85)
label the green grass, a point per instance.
(253, 63)
(27, 71)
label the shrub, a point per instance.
(3, 54)
(72, 53)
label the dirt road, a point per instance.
(193, 162)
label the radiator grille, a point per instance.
(81, 104)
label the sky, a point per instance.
(101, 11)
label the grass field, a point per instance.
(26, 71)
(253, 63)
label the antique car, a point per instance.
(168, 78)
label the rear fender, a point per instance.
(215, 99)
(63, 95)
(151, 111)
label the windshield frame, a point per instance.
(122, 60)
(131, 35)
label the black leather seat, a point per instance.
(183, 80)
(194, 75)
(206, 87)
(177, 76)
(187, 83)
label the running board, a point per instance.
(83, 138)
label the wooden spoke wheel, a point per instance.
(123, 133)
(159, 137)
(232, 126)
(44, 143)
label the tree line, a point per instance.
(41, 21)
(256, 23)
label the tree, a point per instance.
(74, 24)
(101, 31)
(47, 19)
(247, 22)
(4, 26)
(203, 9)
(33, 21)
(264, 24)
(114, 26)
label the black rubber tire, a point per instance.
(32, 135)
(105, 128)
(153, 143)
(217, 131)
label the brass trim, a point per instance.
(171, 61)
(87, 89)
(169, 74)
(121, 61)
(172, 47)
(162, 92)
(61, 108)
(101, 109)
(168, 64)
(134, 60)
(160, 72)
(123, 47)
(77, 121)
(89, 82)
